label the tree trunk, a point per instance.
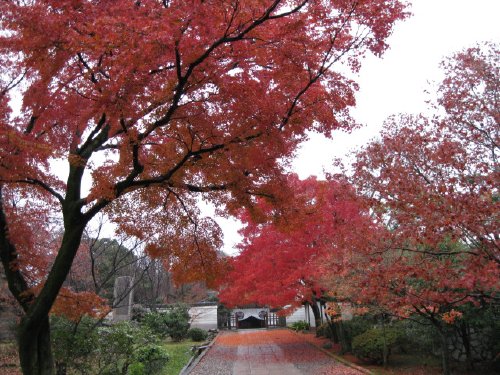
(316, 312)
(445, 352)
(344, 345)
(35, 352)
(34, 344)
(385, 350)
(465, 335)
(334, 330)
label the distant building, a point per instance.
(253, 316)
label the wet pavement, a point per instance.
(267, 352)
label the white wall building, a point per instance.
(206, 316)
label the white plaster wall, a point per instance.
(206, 316)
(203, 317)
(301, 314)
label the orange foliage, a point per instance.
(73, 305)
(450, 316)
(257, 338)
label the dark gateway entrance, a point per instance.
(251, 322)
(227, 319)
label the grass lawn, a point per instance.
(180, 353)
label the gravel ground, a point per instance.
(219, 360)
(266, 352)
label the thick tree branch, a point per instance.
(183, 78)
(43, 185)
(94, 132)
(204, 189)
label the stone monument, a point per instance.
(123, 298)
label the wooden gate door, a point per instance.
(274, 320)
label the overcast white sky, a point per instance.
(396, 83)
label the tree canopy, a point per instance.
(156, 102)
(411, 229)
(279, 264)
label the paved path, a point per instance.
(266, 352)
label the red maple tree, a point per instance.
(281, 263)
(157, 102)
(433, 183)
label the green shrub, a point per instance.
(73, 343)
(87, 348)
(369, 346)
(174, 322)
(300, 325)
(138, 313)
(419, 337)
(118, 344)
(197, 334)
(136, 368)
(177, 321)
(152, 357)
(358, 325)
(155, 321)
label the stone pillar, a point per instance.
(123, 298)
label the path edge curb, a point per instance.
(340, 359)
(195, 360)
